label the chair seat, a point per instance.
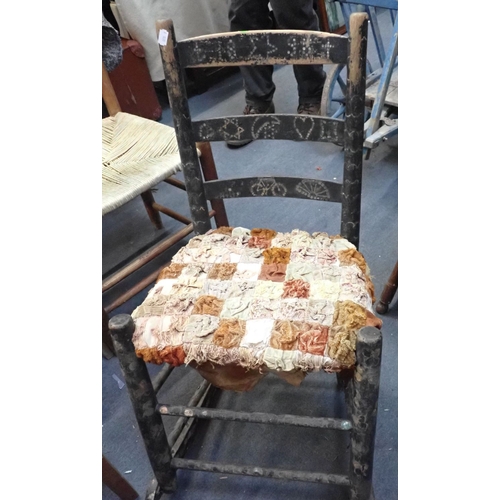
(137, 154)
(258, 300)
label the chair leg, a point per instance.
(210, 174)
(144, 402)
(116, 483)
(362, 400)
(108, 351)
(154, 215)
(389, 291)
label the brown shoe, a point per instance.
(310, 108)
(252, 110)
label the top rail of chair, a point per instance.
(263, 47)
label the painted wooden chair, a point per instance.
(202, 272)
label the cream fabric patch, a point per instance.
(257, 333)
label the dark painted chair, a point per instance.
(390, 289)
(362, 383)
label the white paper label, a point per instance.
(163, 37)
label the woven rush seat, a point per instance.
(137, 154)
(237, 304)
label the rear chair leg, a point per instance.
(362, 399)
(144, 402)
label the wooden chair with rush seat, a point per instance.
(137, 155)
(237, 304)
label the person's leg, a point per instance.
(257, 80)
(300, 15)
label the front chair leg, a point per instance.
(144, 402)
(362, 400)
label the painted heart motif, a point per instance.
(303, 125)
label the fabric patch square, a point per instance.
(298, 289)
(277, 359)
(241, 288)
(282, 240)
(259, 232)
(324, 289)
(313, 338)
(340, 243)
(273, 272)
(234, 258)
(185, 291)
(219, 289)
(172, 271)
(177, 305)
(284, 335)
(326, 257)
(208, 304)
(306, 271)
(300, 239)
(303, 254)
(251, 255)
(320, 311)
(322, 240)
(229, 333)
(164, 286)
(276, 255)
(222, 271)
(153, 305)
(331, 273)
(268, 290)
(257, 333)
(263, 308)
(237, 307)
(259, 242)
(193, 275)
(199, 328)
(293, 309)
(247, 272)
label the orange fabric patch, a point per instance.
(222, 271)
(171, 271)
(259, 242)
(229, 333)
(269, 234)
(348, 318)
(273, 272)
(352, 256)
(223, 230)
(275, 255)
(313, 338)
(298, 289)
(284, 335)
(172, 355)
(208, 304)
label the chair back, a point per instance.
(267, 48)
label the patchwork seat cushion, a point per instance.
(238, 303)
(137, 154)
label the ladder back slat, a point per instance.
(285, 187)
(260, 48)
(265, 126)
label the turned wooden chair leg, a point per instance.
(389, 291)
(210, 173)
(116, 483)
(362, 402)
(144, 402)
(153, 213)
(108, 350)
